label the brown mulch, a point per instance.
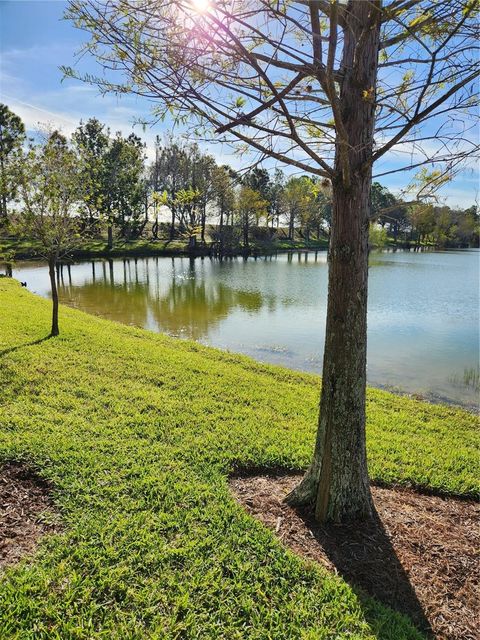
(26, 512)
(419, 555)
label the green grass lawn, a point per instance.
(138, 433)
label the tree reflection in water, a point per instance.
(189, 306)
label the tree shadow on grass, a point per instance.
(364, 556)
(22, 346)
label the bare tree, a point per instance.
(327, 87)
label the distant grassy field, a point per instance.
(138, 433)
(97, 248)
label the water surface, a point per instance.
(423, 314)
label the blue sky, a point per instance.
(35, 41)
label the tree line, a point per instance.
(184, 194)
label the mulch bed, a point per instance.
(26, 512)
(418, 555)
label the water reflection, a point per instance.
(126, 302)
(192, 308)
(423, 312)
(189, 307)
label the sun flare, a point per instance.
(201, 6)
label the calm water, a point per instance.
(423, 310)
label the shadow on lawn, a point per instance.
(27, 344)
(364, 556)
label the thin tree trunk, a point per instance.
(203, 222)
(110, 235)
(291, 226)
(220, 232)
(53, 283)
(172, 224)
(4, 213)
(337, 481)
(246, 230)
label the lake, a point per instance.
(423, 314)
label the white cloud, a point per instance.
(33, 116)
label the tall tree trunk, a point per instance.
(53, 284)
(337, 481)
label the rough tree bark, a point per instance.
(53, 283)
(337, 480)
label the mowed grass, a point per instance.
(138, 433)
(95, 248)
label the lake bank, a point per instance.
(137, 432)
(95, 249)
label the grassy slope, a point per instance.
(138, 431)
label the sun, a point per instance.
(201, 6)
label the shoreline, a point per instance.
(165, 248)
(429, 398)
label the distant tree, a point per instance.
(170, 173)
(203, 171)
(50, 191)
(468, 226)
(12, 138)
(381, 200)
(445, 229)
(114, 188)
(377, 236)
(250, 207)
(275, 197)
(258, 179)
(422, 219)
(125, 198)
(224, 198)
(188, 202)
(386, 209)
(157, 196)
(92, 142)
(300, 204)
